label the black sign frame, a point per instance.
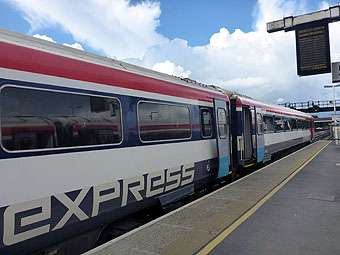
(312, 48)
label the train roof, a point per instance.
(53, 52)
(268, 107)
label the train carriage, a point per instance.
(261, 130)
(116, 138)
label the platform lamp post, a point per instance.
(336, 137)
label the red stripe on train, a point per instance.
(95, 127)
(35, 61)
(162, 127)
(11, 130)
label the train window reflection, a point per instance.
(303, 124)
(294, 123)
(206, 123)
(38, 119)
(163, 122)
(279, 124)
(287, 124)
(259, 124)
(268, 124)
(222, 123)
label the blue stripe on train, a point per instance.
(223, 167)
(260, 154)
(130, 122)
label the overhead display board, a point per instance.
(312, 48)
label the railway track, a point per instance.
(321, 134)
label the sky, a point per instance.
(220, 42)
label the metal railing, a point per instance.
(313, 106)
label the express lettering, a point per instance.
(138, 188)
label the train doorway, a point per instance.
(259, 135)
(247, 134)
(222, 135)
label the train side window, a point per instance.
(287, 124)
(294, 123)
(298, 124)
(159, 122)
(268, 124)
(304, 124)
(40, 119)
(279, 124)
(259, 124)
(206, 123)
(222, 123)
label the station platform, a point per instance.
(291, 206)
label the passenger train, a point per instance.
(86, 140)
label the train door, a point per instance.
(247, 134)
(222, 136)
(312, 127)
(259, 135)
(253, 131)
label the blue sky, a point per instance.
(219, 42)
(196, 21)
(192, 20)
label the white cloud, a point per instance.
(44, 37)
(256, 63)
(47, 38)
(74, 45)
(171, 69)
(323, 5)
(112, 26)
(246, 82)
(280, 100)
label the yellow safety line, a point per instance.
(249, 165)
(237, 223)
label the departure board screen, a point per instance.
(312, 49)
